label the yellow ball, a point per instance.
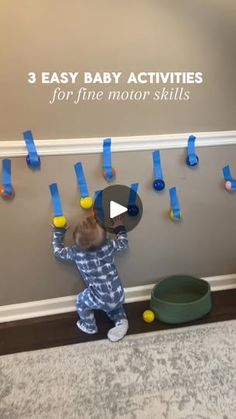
(172, 217)
(59, 221)
(148, 316)
(87, 202)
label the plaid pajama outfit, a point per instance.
(104, 289)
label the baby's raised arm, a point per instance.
(60, 251)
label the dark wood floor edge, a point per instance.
(60, 329)
(36, 319)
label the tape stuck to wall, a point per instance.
(175, 214)
(158, 183)
(59, 220)
(7, 190)
(192, 159)
(230, 182)
(33, 159)
(56, 200)
(86, 201)
(133, 209)
(108, 171)
(98, 204)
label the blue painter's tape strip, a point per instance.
(228, 176)
(97, 193)
(157, 165)
(81, 180)
(192, 159)
(6, 177)
(227, 173)
(174, 202)
(107, 164)
(99, 203)
(56, 201)
(33, 159)
(133, 194)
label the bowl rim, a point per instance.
(176, 303)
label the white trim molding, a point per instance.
(60, 305)
(135, 143)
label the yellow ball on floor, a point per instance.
(87, 202)
(59, 221)
(148, 316)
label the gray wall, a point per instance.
(111, 35)
(202, 244)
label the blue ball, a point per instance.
(192, 164)
(133, 210)
(158, 184)
(35, 164)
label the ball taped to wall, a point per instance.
(32, 159)
(7, 191)
(158, 182)
(109, 172)
(174, 212)
(230, 182)
(172, 216)
(110, 177)
(228, 185)
(192, 159)
(158, 185)
(5, 194)
(133, 209)
(86, 202)
(59, 221)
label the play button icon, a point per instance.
(117, 201)
(116, 209)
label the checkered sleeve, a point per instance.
(60, 251)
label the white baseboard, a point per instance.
(60, 305)
(135, 143)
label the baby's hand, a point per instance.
(117, 221)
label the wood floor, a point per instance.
(46, 332)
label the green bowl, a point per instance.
(181, 299)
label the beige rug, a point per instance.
(187, 373)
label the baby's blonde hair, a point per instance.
(89, 235)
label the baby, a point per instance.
(93, 255)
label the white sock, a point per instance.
(119, 331)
